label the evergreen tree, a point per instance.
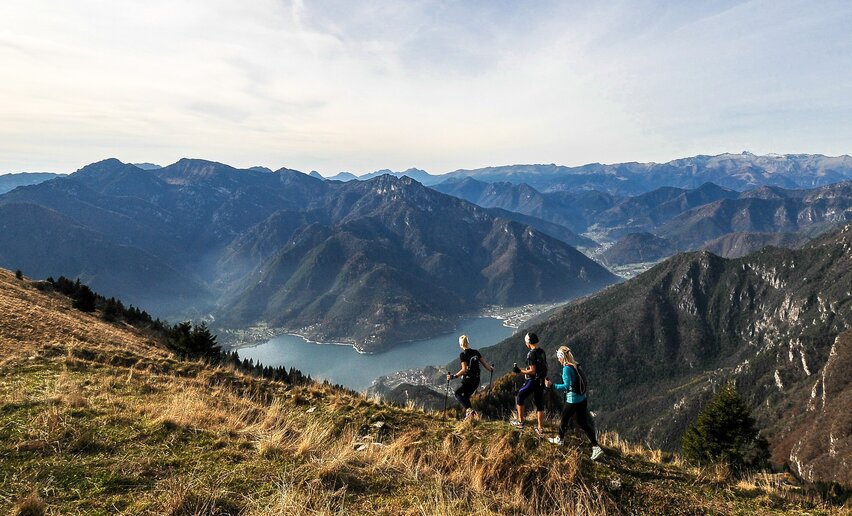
(19, 274)
(85, 299)
(204, 342)
(112, 310)
(192, 341)
(725, 432)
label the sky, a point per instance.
(439, 85)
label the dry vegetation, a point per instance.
(96, 418)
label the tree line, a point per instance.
(186, 339)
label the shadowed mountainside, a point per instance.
(373, 269)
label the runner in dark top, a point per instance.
(469, 372)
(534, 374)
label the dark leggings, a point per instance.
(468, 387)
(532, 386)
(580, 412)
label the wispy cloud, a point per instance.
(334, 84)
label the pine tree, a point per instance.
(85, 299)
(112, 310)
(192, 341)
(19, 275)
(725, 432)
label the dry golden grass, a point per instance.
(298, 497)
(70, 392)
(30, 505)
(32, 321)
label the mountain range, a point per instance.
(776, 322)
(421, 176)
(656, 224)
(733, 171)
(369, 263)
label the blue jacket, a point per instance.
(568, 375)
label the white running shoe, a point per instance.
(555, 440)
(516, 423)
(597, 451)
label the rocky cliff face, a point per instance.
(821, 447)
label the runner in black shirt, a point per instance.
(534, 375)
(469, 372)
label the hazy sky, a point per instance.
(439, 85)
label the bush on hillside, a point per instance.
(725, 432)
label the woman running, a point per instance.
(575, 400)
(469, 373)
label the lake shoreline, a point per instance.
(235, 339)
(345, 366)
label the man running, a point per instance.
(469, 372)
(534, 373)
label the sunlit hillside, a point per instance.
(100, 418)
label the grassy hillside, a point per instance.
(97, 418)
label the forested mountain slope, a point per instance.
(657, 346)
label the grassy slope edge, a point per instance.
(98, 418)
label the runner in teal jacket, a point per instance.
(576, 405)
(568, 378)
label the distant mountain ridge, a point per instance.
(368, 262)
(573, 211)
(737, 245)
(9, 182)
(733, 171)
(637, 248)
(679, 219)
(761, 210)
(421, 176)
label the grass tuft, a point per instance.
(30, 505)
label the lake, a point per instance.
(343, 365)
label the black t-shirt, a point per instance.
(471, 357)
(537, 358)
